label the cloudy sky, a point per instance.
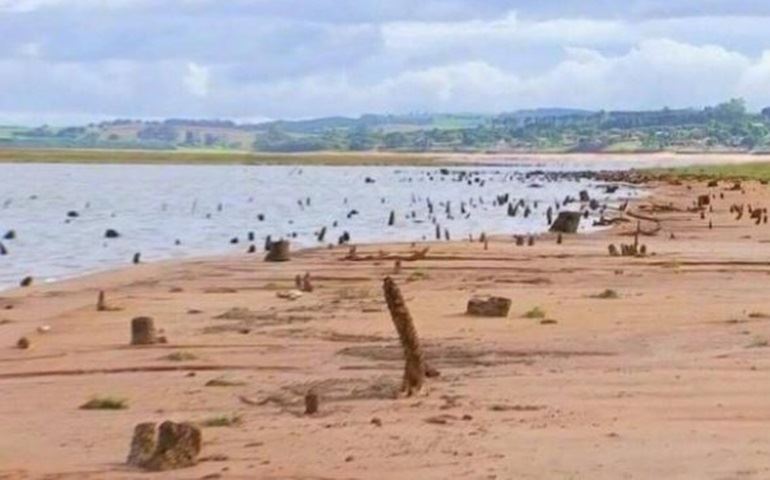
(73, 61)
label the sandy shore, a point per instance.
(669, 380)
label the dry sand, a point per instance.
(670, 380)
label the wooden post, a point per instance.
(414, 371)
(101, 303)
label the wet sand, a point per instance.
(669, 380)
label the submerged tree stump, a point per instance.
(414, 371)
(566, 222)
(280, 251)
(143, 331)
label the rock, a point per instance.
(9, 235)
(566, 222)
(3, 250)
(25, 282)
(137, 258)
(489, 306)
(143, 331)
(289, 294)
(73, 214)
(584, 197)
(280, 251)
(111, 233)
(178, 446)
(704, 200)
(23, 343)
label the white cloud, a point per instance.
(197, 80)
(30, 49)
(300, 58)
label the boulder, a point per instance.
(489, 306)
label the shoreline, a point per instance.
(366, 158)
(619, 354)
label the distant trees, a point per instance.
(159, 132)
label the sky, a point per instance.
(76, 61)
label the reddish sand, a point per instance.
(670, 380)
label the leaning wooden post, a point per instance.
(414, 371)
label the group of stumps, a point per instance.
(178, 445)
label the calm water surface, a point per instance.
(205, 207)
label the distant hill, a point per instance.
(727, 126)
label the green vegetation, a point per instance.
(536, 314)
(608, 294)
(417, 275)
(724, 127)
(224, 382)
(95, 156)
(223, 421)
(758, 342)
(737, 171)
(180, 357)
(105, 403)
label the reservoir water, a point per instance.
(60, 213)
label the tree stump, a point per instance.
(414, 371)
(143, 331)
(311, 403)
(178, 446)
(279, 251)
(142, 444)
(566, 222)
(488, 306)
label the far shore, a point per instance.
(368, 158)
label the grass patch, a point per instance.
(608, 294)
(727, 171)
(223, 421)
(417, 275)
(758, 315)
(536, 314)
(210, 157)
(224, 382)
(180, 357)
(758, 342)
(105, 403)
